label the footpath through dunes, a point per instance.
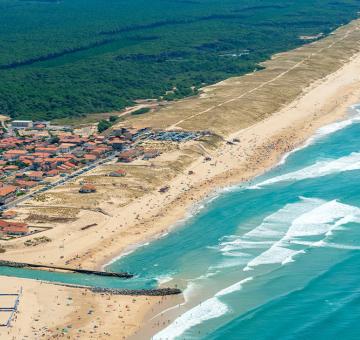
(239, 102)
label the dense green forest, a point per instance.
(62, 58)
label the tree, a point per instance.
(54, 140)
(103, 125)
(113, 119)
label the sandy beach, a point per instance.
(48, 311)
(261, 145)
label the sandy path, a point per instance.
(173, 126)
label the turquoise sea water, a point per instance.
(278, 258)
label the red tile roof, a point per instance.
(6, 190)
(35, 174)
(26, 184)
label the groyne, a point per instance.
(101, 290)
(122, 275)
(147, 292)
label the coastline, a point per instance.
(301, 140)
(262, 146)
(294, 134)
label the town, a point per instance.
(38, 156)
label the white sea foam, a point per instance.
(325, 244)
(210, 309)
(190, 290)
(163, 279)
(320, 133)
(341, 246)
(210, 273)
(324, 131)
(319, 169)
(231, 262)
(233, 288)
(276, 224)
(235, 245)
(334, 127)
(294, 223)
(323, 219)
(272, 228)
(303, 146)
(232, 251)
(275, 254)
(282, 229)
(318, 221)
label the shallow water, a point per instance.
(276, 258)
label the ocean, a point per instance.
(277, 258)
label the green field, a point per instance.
(68, 58)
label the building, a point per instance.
(13, 155)
(9, 214)
(129, 155)
(14, 228)
(149, 154)
(66, 147)
(87, 189)
(35, 176)
(22, 124)
(7, 194)
(89, 157)
(41, 125)
(22, 184)
(117, 144)
(118, 173)
(52, 173)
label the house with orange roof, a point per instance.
(52, 173)
(7, 194)
(118, 173)
(66, 147)
(13, 155)
(89, 157)
(11, 168)
(14, 228)
(47, 149)
(87, 189)
(23, 184)
(9, 214)
(41, 154)
(36, 175)
(28, 162)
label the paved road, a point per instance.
(61, 181)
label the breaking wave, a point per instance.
(320, 221)
(325, 131)
(319, 169)
(210, 309)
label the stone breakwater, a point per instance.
(147, 292)
(118, 291)
(111, 291)
(123, 275)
